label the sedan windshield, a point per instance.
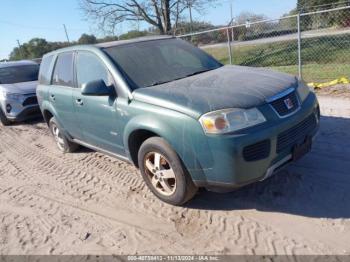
(18, 74)
(151, 63)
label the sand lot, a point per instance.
(88, 203)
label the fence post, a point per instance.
(229, 45)
(299, 48)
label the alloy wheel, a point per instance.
(160, 173)
(58, 137)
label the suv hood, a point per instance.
(225, 87)
(20, 88)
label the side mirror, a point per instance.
(96, 88)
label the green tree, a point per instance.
(338, 18)
(133, 34)
(196, 26)
(35, 48)
(314, 5)
(329, 19)
(107, 39)
(86, 39)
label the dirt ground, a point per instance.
(341, 91)
(88, 203)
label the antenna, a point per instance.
(65, 30)
(20, 49)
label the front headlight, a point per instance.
(303, 90)
(229, 120)
(12, 96)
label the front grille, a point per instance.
(296, 134)
(286, 105)
(257, 151)
(30, 101)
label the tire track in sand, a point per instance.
(94, 178)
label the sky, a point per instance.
(23, 20)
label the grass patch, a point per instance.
(324, 58)
(318, 72)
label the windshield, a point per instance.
(18, 74)
(152, 63)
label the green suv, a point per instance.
(185, 120)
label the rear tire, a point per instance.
(164, 172)
(63, 144)
(3, 119)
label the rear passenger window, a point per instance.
(45, 72)
(63, 73)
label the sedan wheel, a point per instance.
(160, 173)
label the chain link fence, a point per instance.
(315, 46)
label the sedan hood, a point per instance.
(21, 88)
(225, 87)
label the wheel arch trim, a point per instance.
(170, 134)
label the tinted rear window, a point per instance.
(63, 73)
(18, 74)
(45, 72)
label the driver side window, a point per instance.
(90, 68)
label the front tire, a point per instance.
(3, 119)
(63, 144)
(164, 173)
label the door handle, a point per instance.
(52, 97)
(79, 102)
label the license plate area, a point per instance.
(302, 149)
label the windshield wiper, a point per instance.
(167, 81)
(160, 82)
(192, 74)
(199, 72)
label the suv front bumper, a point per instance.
(19, 110)
(227, 165)
(26, 114)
